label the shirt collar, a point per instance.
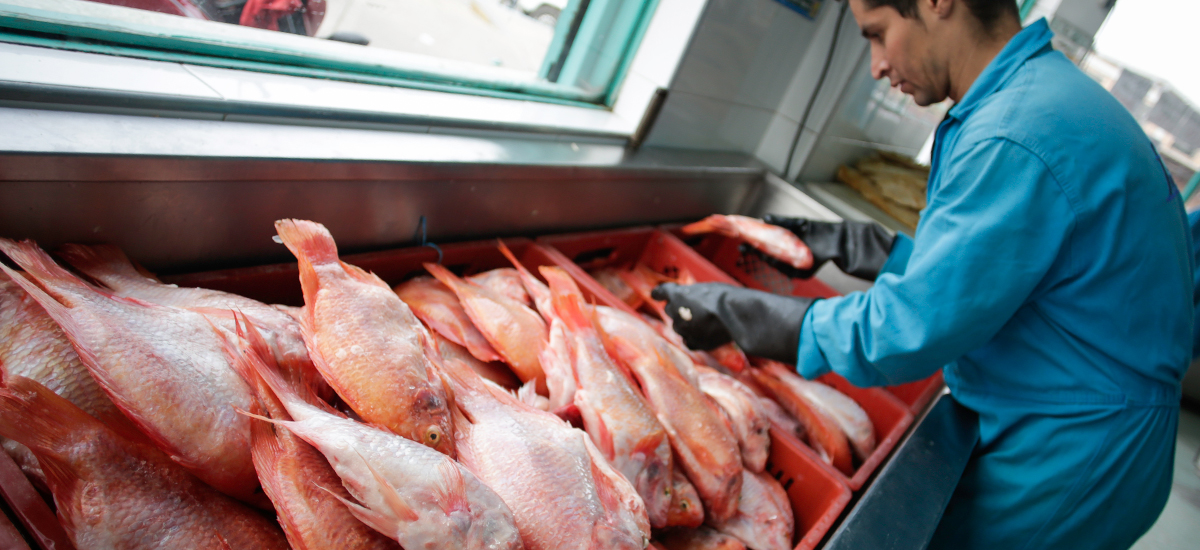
(1020, 47)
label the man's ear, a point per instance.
(942, 9)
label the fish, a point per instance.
(495, 371)
(705, 448)
(438, 307)
(115, 493)
(110, 266)
(33, 346)
(849, 416)
(536, 290)
(610, 279)
(747, 418)
(366, 342)
(165, 367)
(516, 332)
(783, 422)
(824, 434)
(408, 491)
(686, 509)
(764, 519)
(505, 281)
(615, 414)
(563, 492)
(775, 241)
(306, 491)
(702, 538)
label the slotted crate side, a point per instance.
(890, 417)
(817, 496)
(751, 271)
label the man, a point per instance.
(1050, 278)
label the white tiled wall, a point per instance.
(748, 75)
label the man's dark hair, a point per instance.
(988, 12)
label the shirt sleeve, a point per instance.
(989, 235)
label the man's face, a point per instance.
(903, 50)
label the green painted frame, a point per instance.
(27, 22)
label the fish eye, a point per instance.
(434, 436)
(683, 504)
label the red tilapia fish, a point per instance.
(823, 433)
(413, 494)
(165, 367)
(614, 413)
(775, 241)
(109, 265)
(504, 281)
(704, 446)
(438, 307)
(366, 342)
(495, 371)
(835, 405)
(563, 493)
(764, 518)
(516, 332)
(32, 345)
(686, 509)
(304, 488)
(702, 538)
(743, 408)
(115, 493)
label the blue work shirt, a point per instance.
(1194, 223)
(1051, 275)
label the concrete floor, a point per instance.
(1179, 525)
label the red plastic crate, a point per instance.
(30, 509)
(751, 271)
(816, 494)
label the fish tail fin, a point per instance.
(105, 263)
(567, 300)
(47, 424)
(312, 245)
(255, 363)
(715, 223)
(447, 277)
(44, 279)
(535, 288)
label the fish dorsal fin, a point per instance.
(390, 496)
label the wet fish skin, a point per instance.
(495, 371)
(505, 281)
(764, 519)
(771, 239)
(413, 494)
(531, 458)
(686, 508)
(112, 268)
(824, 435)
(153, 361)
(438, 307)
(115, 493)
(615, 414)
(747, 418)
(366, 342)
(516, 332)
(704, 446)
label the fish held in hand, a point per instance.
(704, 446)
(166, 368)
(775, 241)
(531, 458)
(615, 414)
(366, 342)
(115, 493)
(764, 519)
(516, 332)
(747, 418)
(438, 307)
(413, 494)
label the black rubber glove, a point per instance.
(858, 248)
(708, 315)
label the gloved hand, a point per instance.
(708, 315)
(858, 248)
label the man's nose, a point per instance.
(879, 68)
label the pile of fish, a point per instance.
(497, 411)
